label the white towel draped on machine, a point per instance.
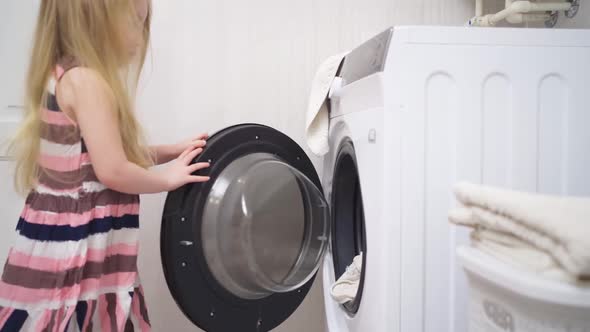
(317, 118)
(546, 234)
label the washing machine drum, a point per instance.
(240, 251)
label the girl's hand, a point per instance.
(196, 142)
(165, 153)
(180, 170)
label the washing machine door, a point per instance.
(240, 251)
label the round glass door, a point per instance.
(240, 252)
(264, 228)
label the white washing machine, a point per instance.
(415, 109)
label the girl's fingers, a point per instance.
(197, 178)
(192, 155)
(185, 152)
(198, 166)
(202, 136)
(199, 143)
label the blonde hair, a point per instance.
(92, 32)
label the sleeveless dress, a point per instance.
(73, 266)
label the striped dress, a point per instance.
(73, 266)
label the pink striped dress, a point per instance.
(73, 266)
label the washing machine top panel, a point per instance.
(367, 59)
(240, 252)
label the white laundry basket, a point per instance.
(505, 299)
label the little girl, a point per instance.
(82, 162)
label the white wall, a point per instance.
(17, 20)
(216, 63)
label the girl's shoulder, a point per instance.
(80, 83)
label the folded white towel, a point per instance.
(548, 232)
(518, 253)
(317, 117)
(345, 288)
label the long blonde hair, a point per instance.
(92, 32)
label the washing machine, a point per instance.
(413, 110)
(241, 251)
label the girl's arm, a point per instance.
(85, 96)
(165, 153)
